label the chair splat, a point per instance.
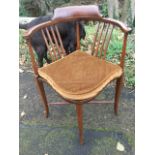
(52, 44)
(78, 35)
(108, 41)
(53, 41)
(47, 43)
(60, 42)
(102, 39)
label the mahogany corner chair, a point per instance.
(78, 77)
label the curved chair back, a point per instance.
(100, 38)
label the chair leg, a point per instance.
(80, 121)
(43, 95)
(119, 84)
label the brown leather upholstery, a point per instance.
(76, 11)
(79, 75)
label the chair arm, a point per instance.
(33, 29)
(123, 26)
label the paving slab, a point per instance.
(58, 134)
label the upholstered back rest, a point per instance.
(103, 29)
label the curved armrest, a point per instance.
(33, 29)
(123, 26)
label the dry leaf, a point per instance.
(25, 96)
(21, 71)
(22, 114)
(120, 147)
(22, 60)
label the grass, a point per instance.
(113, 54)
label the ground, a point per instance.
(58, 134)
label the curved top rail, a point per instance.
(33, 29)
(72, 13)
(76, 11)
(122, 26)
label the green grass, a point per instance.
(113, 54)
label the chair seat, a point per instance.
(79, 76)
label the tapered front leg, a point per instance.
(43, 95)
(79, 111)
(118, 88)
